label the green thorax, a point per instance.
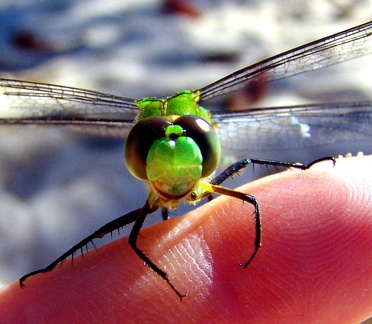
(180, 104)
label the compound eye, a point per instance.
(139, 142)
(205, 137)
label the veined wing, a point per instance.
(23, 102)
(290, 128)
(327, 51)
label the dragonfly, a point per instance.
(175, 145)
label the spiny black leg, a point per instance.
(133, 243)
(108, 228)
(230, 171)
(237, 166)
(258, 226)
(234, 169)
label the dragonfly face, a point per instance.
(172, 146)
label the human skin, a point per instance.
(315, 264)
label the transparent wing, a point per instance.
(24, 102)
(290, 128)
(327, 51)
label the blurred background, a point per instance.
(57, 187)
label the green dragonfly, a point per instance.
(175, 145)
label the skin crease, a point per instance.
(315, 264)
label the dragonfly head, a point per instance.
(172, 156)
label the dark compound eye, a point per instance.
(139, 141)
(205, 137)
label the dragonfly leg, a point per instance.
(133, 243)
(234, 169)
(258, 226)
(237, 166)
(106, 229)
